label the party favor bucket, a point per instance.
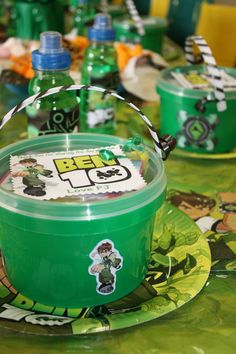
(152, 38)
(78, 251)
(200, 115)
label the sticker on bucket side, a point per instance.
(81, 172)
(106, 262)
(197, 131)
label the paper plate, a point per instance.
(141, 75)
(178, 270)
(183, 153)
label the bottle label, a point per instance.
(101, 107)
(101, 115)
(56, 121)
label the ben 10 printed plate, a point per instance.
(207, 156)
(178, 270)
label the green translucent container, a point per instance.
(207, 132)
(32, 17)
(155, 29)
(46, 245)
(116, 11)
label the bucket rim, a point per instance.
(172, 88)
(69, 211)
(127, 23)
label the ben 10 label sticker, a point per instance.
(195, 80)
(61, 174)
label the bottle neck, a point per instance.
(42, 73)
(94, 44)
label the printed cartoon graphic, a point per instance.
(220, 232)
(60, 121)
(109, 173)
(73, 173)
(198, 207)
(197, 131)
(47, 320)
(179, 252)
(102, 105)
(228, 209)
(106, 261)
(30, 171)
(165, 267)
(100, 116)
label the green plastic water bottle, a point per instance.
(97, 111)
(83, 17)
(57, 113)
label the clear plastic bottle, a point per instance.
(57, 113)
(83, 17)
(97, 111)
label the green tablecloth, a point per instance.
(205, 325)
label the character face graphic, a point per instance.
(29, 164)
(194, 212)
(104, 254)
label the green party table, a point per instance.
(204, 325)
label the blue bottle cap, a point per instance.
(51, 55)
(102, 30)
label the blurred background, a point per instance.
(167, 24)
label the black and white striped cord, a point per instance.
(135, 17)
(162, 146)
(211, 66)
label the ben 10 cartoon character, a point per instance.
(106, 261)
(30, 171)
(198, 207)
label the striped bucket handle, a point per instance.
(212, 69)
(163, 146)
(138, 22)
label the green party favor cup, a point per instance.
(202, 118)
(153, 37)
(49, 246)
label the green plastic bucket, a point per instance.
(191, 115)
(206, 132)
(47, 245)
(153, 38)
